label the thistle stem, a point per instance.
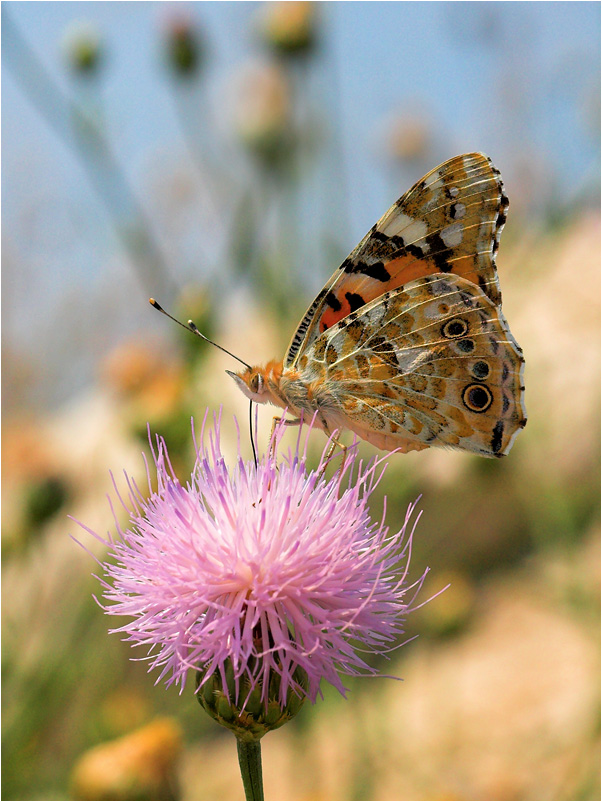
(249, 760)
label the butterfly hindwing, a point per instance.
(449, 222)
(432, 363)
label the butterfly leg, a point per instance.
(286, 422)
(334, 444)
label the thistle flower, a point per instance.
(264, 579)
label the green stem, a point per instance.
(249, 760)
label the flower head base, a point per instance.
(259, 709)
(83, 48)
(185, 50)
(264, 579)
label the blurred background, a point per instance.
(224, 158)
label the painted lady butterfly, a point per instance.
(407, 345)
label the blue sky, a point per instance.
(386, 55)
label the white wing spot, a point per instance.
(410, 359)
(441, 287)
(452, 235)
(376, 314)
(402, 224)
(437, 182)
(459, 211)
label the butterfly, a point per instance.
(407, 345)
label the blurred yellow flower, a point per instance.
(137, 372)
(409, 138)
(140, 765)
(25, 450)
(289, 27)
(263, 109)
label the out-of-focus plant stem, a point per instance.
(83, 135)
(338, 195)
(190, 106)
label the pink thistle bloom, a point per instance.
(264, 569)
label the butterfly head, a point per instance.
(261, 384)
(253, 384)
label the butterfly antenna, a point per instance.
(251, 432)
(191, 327)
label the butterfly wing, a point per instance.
(449, 222)
(432, 363)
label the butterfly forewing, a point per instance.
(449, 222)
